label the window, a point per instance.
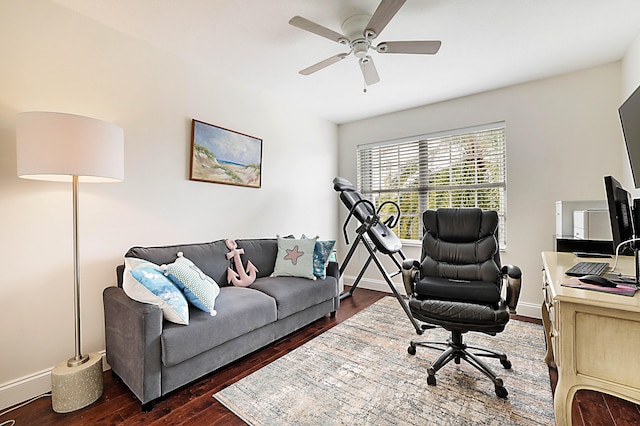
(461, 168)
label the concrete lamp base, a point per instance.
(73, 388)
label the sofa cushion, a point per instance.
(240, 310)
(209, 257)
(261, 252)
(293, 294)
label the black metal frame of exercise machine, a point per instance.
(381, 239)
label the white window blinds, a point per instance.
(461, 168)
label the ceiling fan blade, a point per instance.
(323, 64)
(420, 47)
(369, 70)
(386, 10)
(307, 25)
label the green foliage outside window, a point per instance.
(465, 171)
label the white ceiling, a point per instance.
(486, 44)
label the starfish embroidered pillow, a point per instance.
(295, 258)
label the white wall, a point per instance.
(563, 136)
(631, 69)
(56, 60)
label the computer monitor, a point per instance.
(620, 215)
(629, 113)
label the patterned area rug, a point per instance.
(359, 373)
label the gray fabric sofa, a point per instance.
(153, 356)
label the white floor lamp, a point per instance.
(70, 148)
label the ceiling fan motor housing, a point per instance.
(360, 48)
(354, 28)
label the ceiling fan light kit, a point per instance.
(358, 33)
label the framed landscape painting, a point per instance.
(220, 155)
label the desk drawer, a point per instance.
(549, 318)
(607, 346)
(549, 302)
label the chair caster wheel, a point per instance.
(411, 350)
(506, 363)
(501, 391)
(431, 380)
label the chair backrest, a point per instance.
(461, 244)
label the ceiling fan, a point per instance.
(359, 32)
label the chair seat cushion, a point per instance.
(460, 316)
(443, 288)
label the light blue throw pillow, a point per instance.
(321, 254)
(295, 258)
(199, 289)
(145, 282)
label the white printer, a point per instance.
(591, 225)
(587, 220)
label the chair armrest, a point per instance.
(132, 337)
(410, 273)
(514, 284)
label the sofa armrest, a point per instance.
(132, 336)
(120, 275)
(333, 270)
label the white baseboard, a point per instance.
(25, 388)
(530, 310)
(32, 385)
(378, 285)
(525, 309)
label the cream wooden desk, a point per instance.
(594, 337)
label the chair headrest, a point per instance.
(460, 225)
(340, 184)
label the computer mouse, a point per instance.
(597, 280)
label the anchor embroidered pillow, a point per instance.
(295, 258)
(199, 289)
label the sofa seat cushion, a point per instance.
(293, 294)
(240, 311)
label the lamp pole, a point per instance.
(78, 359)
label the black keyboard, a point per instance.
(587, 268)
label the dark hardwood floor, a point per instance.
(194, 404)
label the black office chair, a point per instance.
(458, 286)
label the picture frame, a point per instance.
(220, 155)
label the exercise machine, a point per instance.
(376, 236)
